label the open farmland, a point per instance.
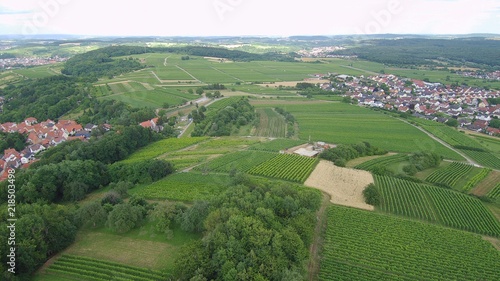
(185, 187)
(450, 175)
(362, 245)
(342, 123)
(240, 161)
(286, 166)
(436, 204)
(381, 161)
(84, 268)
(161, 147)
(271, 124)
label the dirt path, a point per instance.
(199, 81)
(317, 243)
(472, 162)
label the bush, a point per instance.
(371, 194)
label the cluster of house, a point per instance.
(481, 75)
(41, 135)
(433, 101)
(27, 61)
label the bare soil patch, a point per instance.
(345, 186)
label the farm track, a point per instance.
(472, 162)
(234, 77)
(199, 81)
(317, 243)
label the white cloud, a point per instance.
(254, 17)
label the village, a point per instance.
(41, 136)
(433, 101)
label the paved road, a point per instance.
(472, 162)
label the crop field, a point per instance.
(287, 167)
(450, 175)
(241, 161)
(9, 77)
(436, 204)
(365, 246)
(447, 133)
(37, 71)
(185, 187)
(381, 161)
(271, 124)
(495, 192)
(473, 181)
(456, 138)
(142, 94)
(484, 158)
(84, 268)
(276, 145)
(161, 147)
(342, 123)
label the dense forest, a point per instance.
(251, 232)
(46, 98)
(413, 52)
(221, 123)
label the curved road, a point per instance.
(472, 162)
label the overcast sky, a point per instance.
(248, 17)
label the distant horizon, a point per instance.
(90, 36)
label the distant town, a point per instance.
(433, 101)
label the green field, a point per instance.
(84, 268)
(452, 136)
(287, 167)
(450, 175)
(142, 94)
(240, 161)
(276, 145)
(185, 187)
(436, 204)
(38, 71)
(161, 147)
(381, 161)
(365, 246)
(342, 123)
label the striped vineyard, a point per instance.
(450, 175)
(366, 246)
(240, 161)
(437, 205)
(287, 167)
(382, 161)
(495, 192)
(84, 268)
(476, 179)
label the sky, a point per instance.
(247, 17)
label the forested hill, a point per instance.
(104, 62)
(408, 52)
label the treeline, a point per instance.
(221, 123)
(345, 152)
(40, 231)
(114, 112)
(411, 52)
(112, 147)
(46, 98)
(67, 173)
(99, 63)
(12, 140)
(251, 232)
